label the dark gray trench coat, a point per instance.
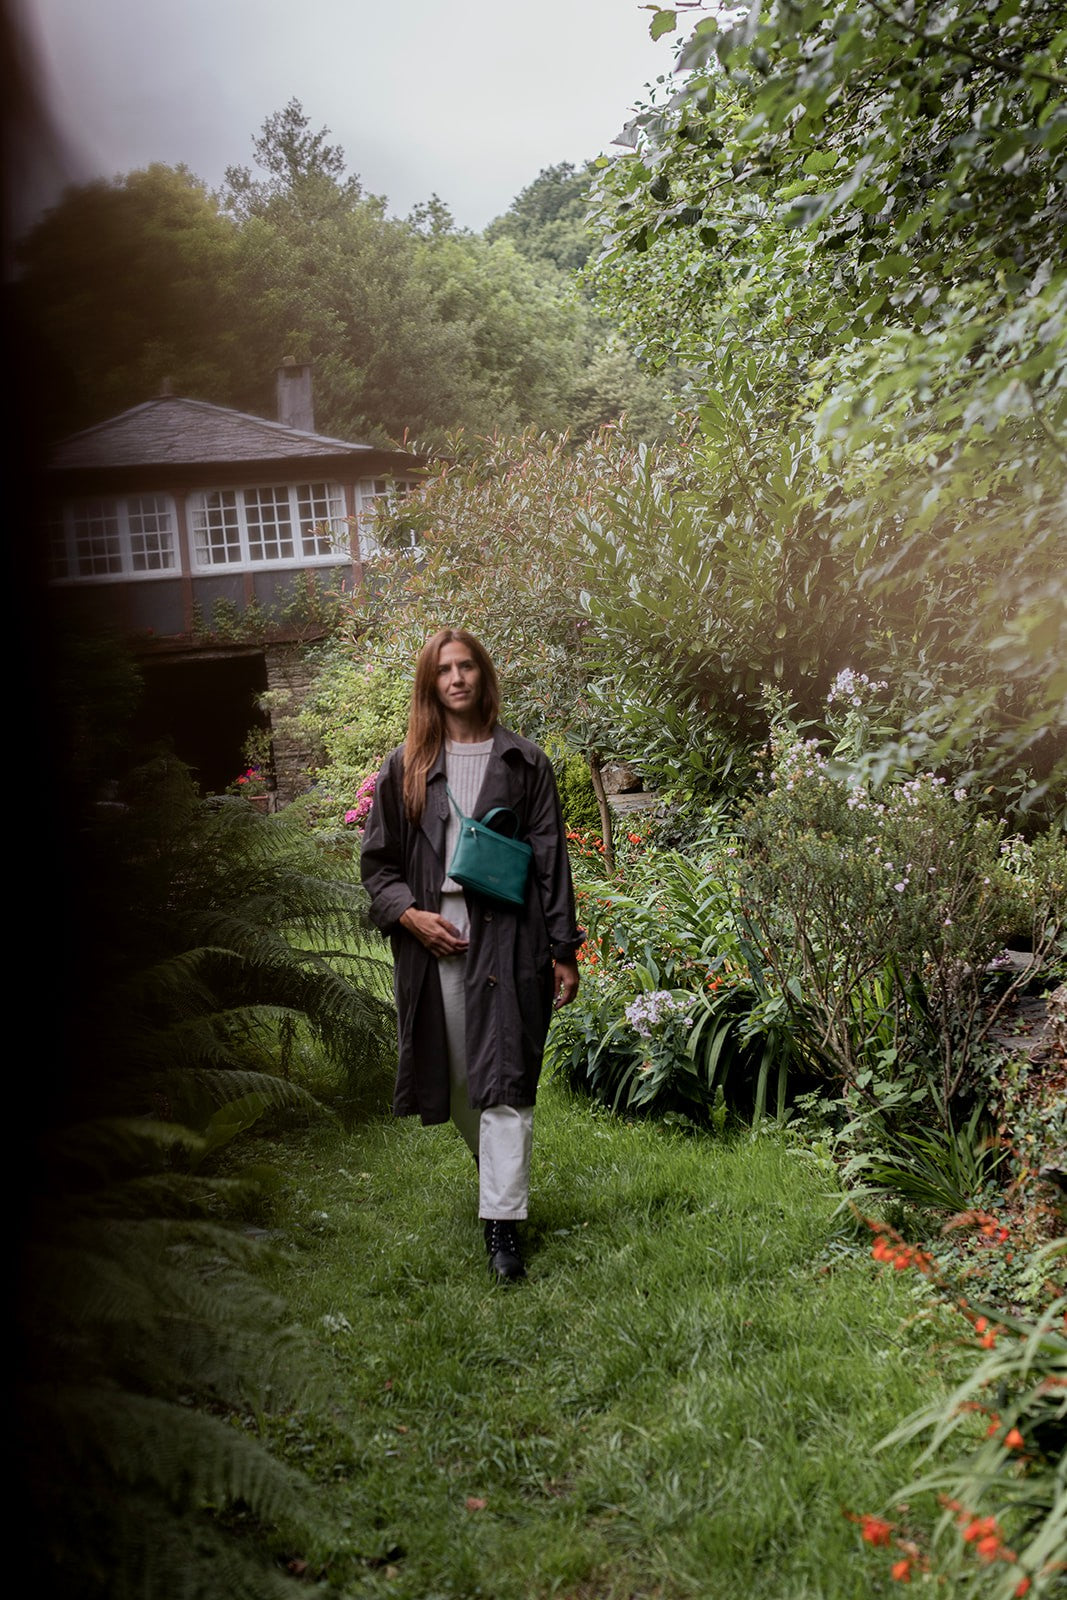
(508, 974)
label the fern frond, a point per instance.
(146, 1551)
(194, 1460)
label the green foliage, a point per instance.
(581, 813)
(414, 327)
(700, 597)
(125, 284)
(881, 908)
(1002, 1482)
(149, 1345)
(673, 1015)
(355, 713)
(150, 1353)
(947, 1168)
(500, 550)
(613, 1430)
(549, 220)
(857, 215)
(216, 928)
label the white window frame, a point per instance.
(368, 492)
(68, 530)
(249, 530)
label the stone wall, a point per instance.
(289, 675)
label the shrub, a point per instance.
(576, 793)
(673, 1015)
(355, 713)
(880, 908)
(995, 1446)
(199, 963)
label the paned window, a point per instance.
(270, 534)
(281, 525)
(113, 538)
(216, 528)
(151, 522)
(97, 550)
(374, 493)
(321, 511)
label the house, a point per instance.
(167, 522)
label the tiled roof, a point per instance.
(175, 432)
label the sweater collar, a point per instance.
(505, 743)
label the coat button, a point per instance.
(488, 916)
(491, 981)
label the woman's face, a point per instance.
(459, 680)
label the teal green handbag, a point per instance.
(488, 861)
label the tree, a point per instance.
(124, 284)
(872, 200)
(549, 219)
(501, 527)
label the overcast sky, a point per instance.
(466, 99)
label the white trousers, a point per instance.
(501, 1137)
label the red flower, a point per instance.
(876, 1531)
(981, 1528)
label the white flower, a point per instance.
(336, 1322)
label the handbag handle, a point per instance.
(500, 820)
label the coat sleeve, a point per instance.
(382, 861)
(551, 862)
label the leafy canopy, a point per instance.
(861, 209)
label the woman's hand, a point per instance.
(439, 936)
(564, 982)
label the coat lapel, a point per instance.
(435, 812)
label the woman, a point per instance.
(475, 983)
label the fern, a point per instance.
(149, 1346)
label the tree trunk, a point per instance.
(593, 759)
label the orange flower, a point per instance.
(1022, 1587)
(875, 1531)
(901, 1571)
(1014, 1440)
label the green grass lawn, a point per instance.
(680, 1400)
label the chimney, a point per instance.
(295, 406)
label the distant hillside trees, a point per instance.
(415, 327)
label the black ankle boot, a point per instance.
(505, 1257)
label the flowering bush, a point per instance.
(356, 816)
(882, 905)
(1003, 1528)
(672, 1015)
(661, 1020)
(252, 781)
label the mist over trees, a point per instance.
(416, 327)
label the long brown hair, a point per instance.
(426, 722)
